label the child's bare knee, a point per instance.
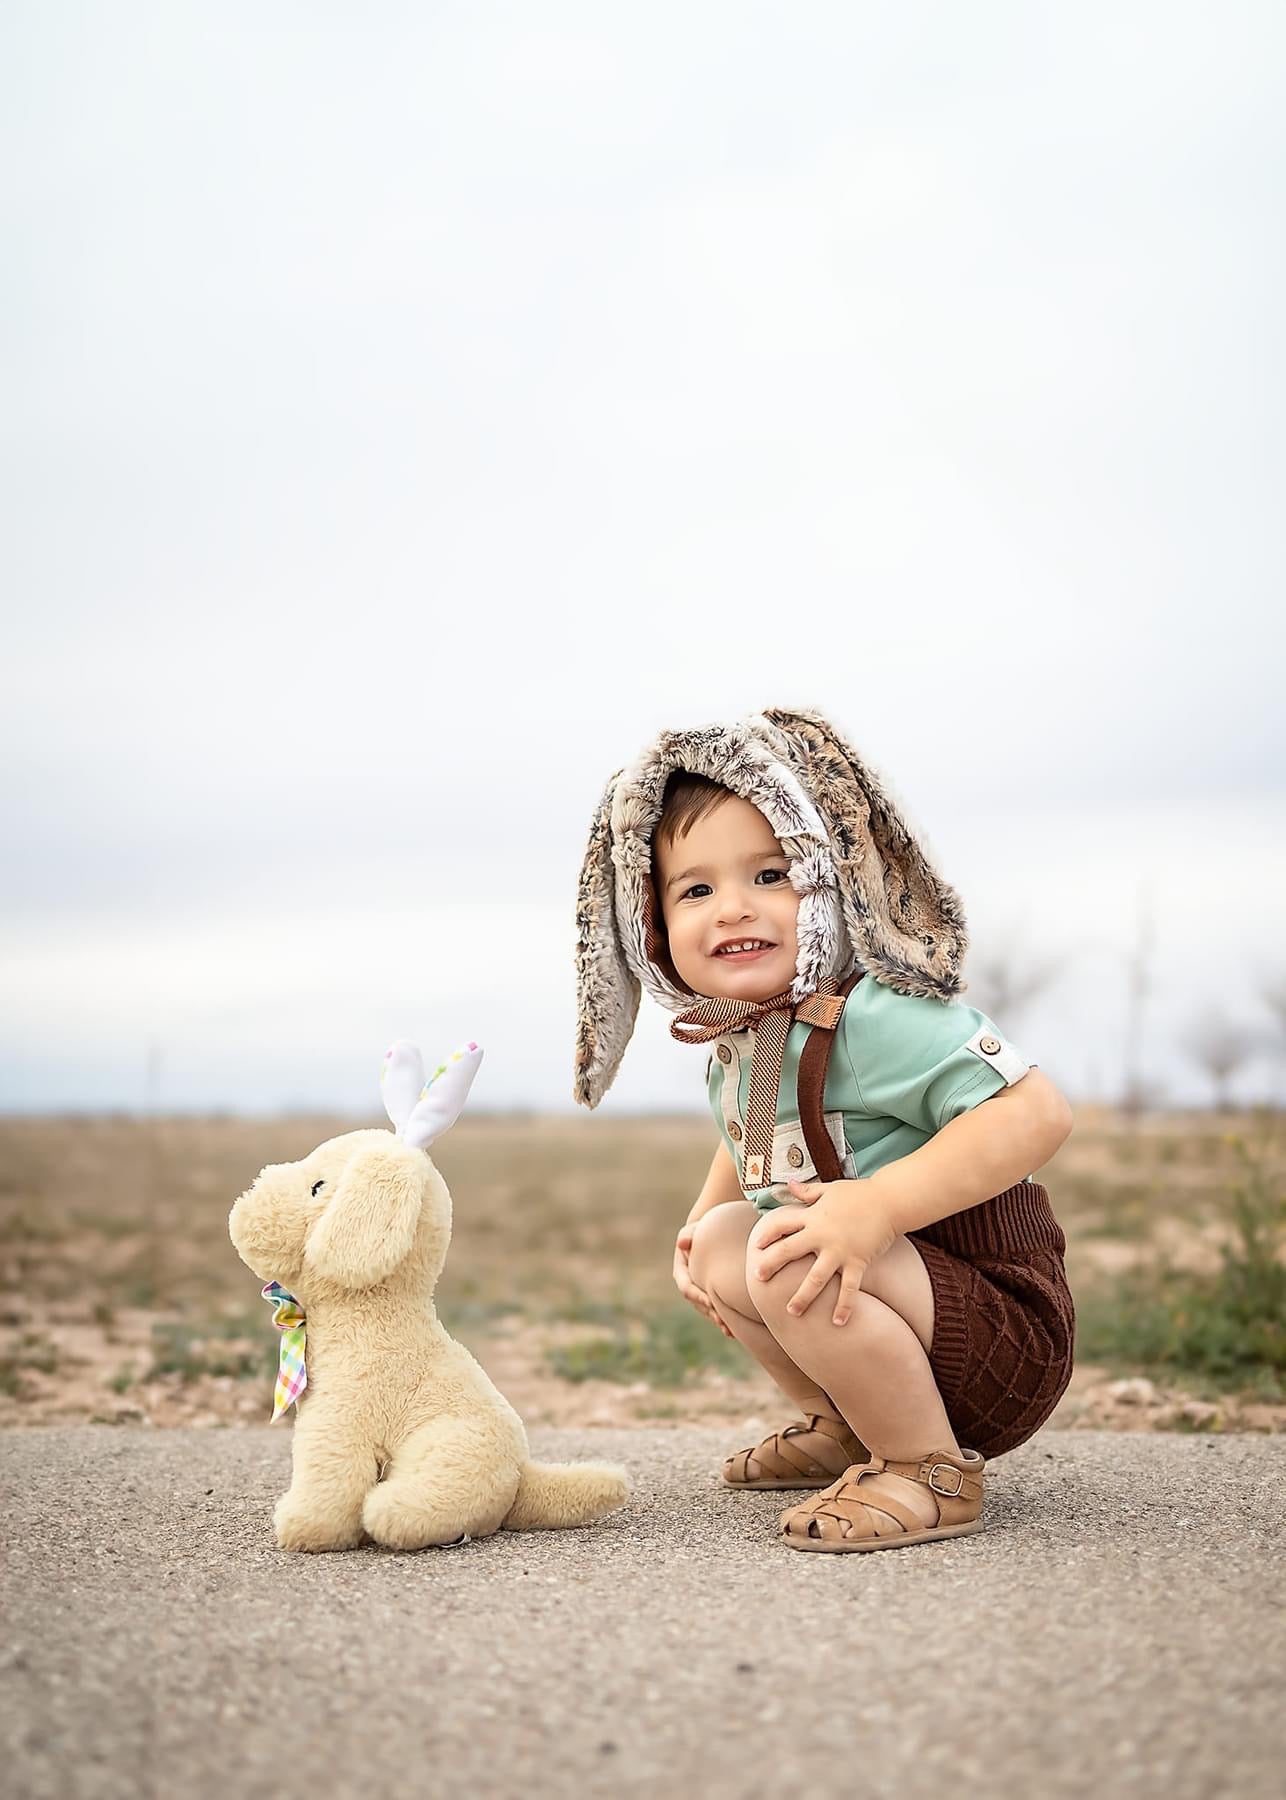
(870, 1322)
(718, 1242)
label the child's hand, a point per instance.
(842, 1222)
(685, 1284)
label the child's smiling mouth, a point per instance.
(734, 955)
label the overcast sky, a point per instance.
(408, 410)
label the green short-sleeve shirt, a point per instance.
(901, 1068)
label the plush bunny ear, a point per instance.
(607, 991)
(442, 1098)
(401, 1081)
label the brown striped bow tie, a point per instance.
(773, 1018)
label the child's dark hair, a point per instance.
(687, 798)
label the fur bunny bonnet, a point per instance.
(868, 896)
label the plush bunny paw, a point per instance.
(400, 1523)
(304, 1527)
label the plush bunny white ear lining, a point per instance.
(401, 1081)
(442, 1098)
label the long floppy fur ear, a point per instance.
(908, 925)
(369, 1226)
(607, 993)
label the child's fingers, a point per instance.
(692, 1293)
(695, 1295)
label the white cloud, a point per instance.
(407, 415)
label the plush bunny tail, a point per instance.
(551, 1495)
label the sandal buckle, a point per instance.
(950, 1493)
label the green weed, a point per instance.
(220, 1347)
(1228, 1328)
(592, 1311)
(669, 1348)
(1127, 1214)
(31, 1352)
(460, 1314)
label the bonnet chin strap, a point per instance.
(772, 1020)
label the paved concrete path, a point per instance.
(1116, 1630)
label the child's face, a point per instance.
(728, 878)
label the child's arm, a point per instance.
(975, 1155)
(721, 1184)
(849, 1223)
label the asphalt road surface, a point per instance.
(1116, 1630)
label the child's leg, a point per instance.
(718, 1261)
(875, 1367)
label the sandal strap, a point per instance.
(839, 1429)
(835, 1431)
(849, 1508)
(781, 1456)
(942, 1473)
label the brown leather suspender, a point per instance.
(811, 1088)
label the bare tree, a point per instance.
(1007, 983)
(1273, 996)
(1220, 1046)
(1143, 1093)
(1136, 1088)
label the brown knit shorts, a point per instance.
(1004, 1324)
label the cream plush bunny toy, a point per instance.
(400, 1435)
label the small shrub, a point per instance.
(593, 1312)
(224, 1347)
(669, 1348)
(1228, 1327)
(459, 1315)
(32, 1352)
(1126, 1215)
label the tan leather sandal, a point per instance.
(806, 1454)
(855, 1513)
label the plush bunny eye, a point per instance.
(316, 1185)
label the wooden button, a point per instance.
(989, 1045)
(734, 1131)
(724, 1054)
(795, 1157)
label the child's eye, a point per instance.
(779, 873)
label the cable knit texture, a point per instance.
(1004, 1322)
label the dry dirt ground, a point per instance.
(122, 1301)
(1116, 1630)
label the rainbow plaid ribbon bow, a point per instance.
(292, 1377)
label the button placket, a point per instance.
(730, 1059)
(791, 1160)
